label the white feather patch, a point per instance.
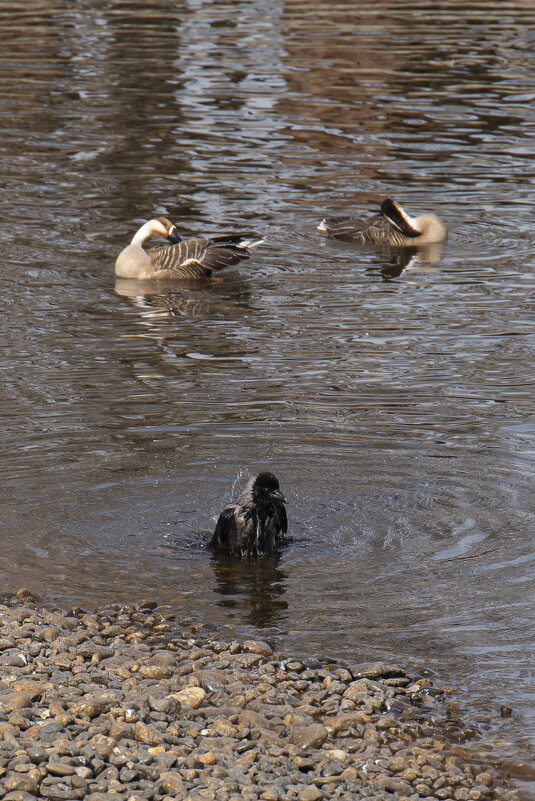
(251, 243)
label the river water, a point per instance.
(392, 396)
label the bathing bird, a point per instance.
(184, 258)
(252, 524)
(392, 226)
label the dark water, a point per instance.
(394, 402)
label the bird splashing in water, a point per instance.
(253, 523)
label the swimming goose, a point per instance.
(252, 524)
(184, 258)
(392, 226)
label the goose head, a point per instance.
(424, 229)
(159, 226)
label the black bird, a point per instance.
(252, 524)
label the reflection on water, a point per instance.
(393, 262)
(254, 585)
(392, 393)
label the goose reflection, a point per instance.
(397, 261)
(257, 586)
(155, 301)
(194, 298)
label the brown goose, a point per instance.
(392, 226)
(184, 258)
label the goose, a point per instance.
(252, 524)
(392, 226)
(184, 258)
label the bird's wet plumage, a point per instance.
(392, 227)
(252, 524)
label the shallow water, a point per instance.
(392, 396)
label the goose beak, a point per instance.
(173, 236)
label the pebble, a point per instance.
(309, 736)
(311, 793)
(191, 696)
(126, 704)
(257, 647)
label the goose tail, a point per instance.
(250, 244)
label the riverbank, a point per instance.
(123, 704)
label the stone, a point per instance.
(155, 671)
(37, 754)
(519, 770)
(375, 670)
(18, 795)
(345, 721)
(257, 647)
(172, 783)
(60, 769)
(223, 728)
(121, 731)
(167, 704)
(386, 722)
(22, 782)
(394, 785)
(311, 793)
(338, 754)
(348, 775)
(83, 771)
(270, 794)
(190, 696)
(92, 707)
(410, 774)
(16, 700)
(207, 758)
(460, 794)
(146, 734)
(309, 736)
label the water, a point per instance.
(393, 397)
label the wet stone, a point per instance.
(257, 647)
(375, 670)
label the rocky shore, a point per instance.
(123, 703)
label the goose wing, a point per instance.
(366, 229)
(224, 251)
(183, 260)
(199, 257)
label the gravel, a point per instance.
(124, 703)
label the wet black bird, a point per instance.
(252, 524)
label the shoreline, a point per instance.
(123, 703)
